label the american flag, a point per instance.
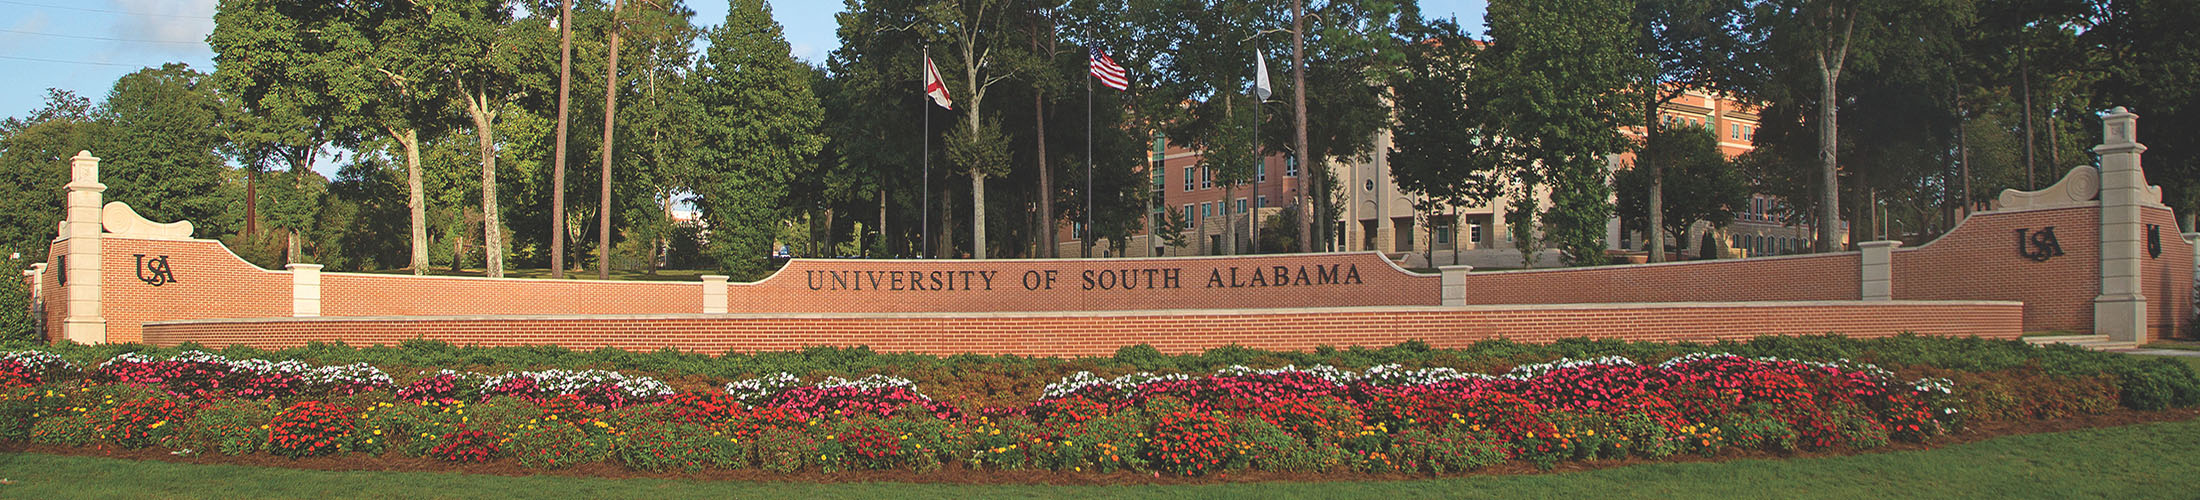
(1109, 73)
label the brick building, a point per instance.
(1376, 215)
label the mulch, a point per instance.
(955, 473)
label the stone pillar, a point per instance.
(305, 290)
(714, 294)
(1878, 269)
(37, 276)
(1454, 284)
(2120, 311)
(84, 325)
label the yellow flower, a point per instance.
(377, 432)
(1591, 432)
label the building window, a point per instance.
(1189, 215)
(1206, 178)
(1474, 232)
(1291, 166)
(1241, 205)
(1187, 178)
(1206, 210)
(1734, 131)
(1260, 170)
(1262, 201)
(1443, 233)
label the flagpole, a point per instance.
(1088, 159)
(925, 219)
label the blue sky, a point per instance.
(84, 45)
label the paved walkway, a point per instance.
(2155, 352)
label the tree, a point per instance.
(1828, 37)
(2150, 57)
(1171, 228)
(492, 74)
(34, 153)
(1566, 117)
(1228, 155)
(164, 129)
(973, 31)
(1436, 152)
(1690, 47)
(760, 130)
(557, 176)
(610, 115)
(1706, 187)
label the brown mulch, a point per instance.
(955, 473)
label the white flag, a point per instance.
(933, 87)
(1260, 76)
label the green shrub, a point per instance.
(785, 450)
(1454, 450)
(230, 427)
(16, 323)
(2158, 383)
(1758, 428)
(554, 444)
(22, 407)
(659, 446)
(71, 426)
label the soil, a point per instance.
(955, 473)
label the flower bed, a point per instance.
(1431, 414)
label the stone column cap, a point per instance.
(1879, 243)
(304, 267)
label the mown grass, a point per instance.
(2140, 461)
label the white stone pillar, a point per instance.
(1878, 269)
(2120, 311)
(1454, 284)
(85, 325)
(37, 275)
(714, 294)
(305, 290)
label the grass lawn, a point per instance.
(2140, 461)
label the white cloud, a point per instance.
(806, 52)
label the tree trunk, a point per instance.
(2024, 79)
(977, 172)
(610, 111)
(291, 254)
(1046, 180)
(1829, 206)
(492, 239)
(458, 249)
(557, 175)
(251, 201)
(1316, 215)
(409, 139)
(881, 223)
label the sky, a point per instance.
(85, 45)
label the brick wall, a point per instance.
(1100, 334)
(1808, 277)
(1360, 279)
(2167, 279)
(210, 283)
(349, 294)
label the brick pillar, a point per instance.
(2120, 311)
(714, 294)
(305, 290)
(1878, 267)
(1454, 284)
(37, 287)
(84, 325)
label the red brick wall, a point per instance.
(347, 294)
(1979, 261)
(210, 283)
(807, 286)
(2166, 280)
(1087, 334)
(1807, 277)
(56, 297)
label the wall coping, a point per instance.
(1110, 314)
(1378, 256)
(1996, 213)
